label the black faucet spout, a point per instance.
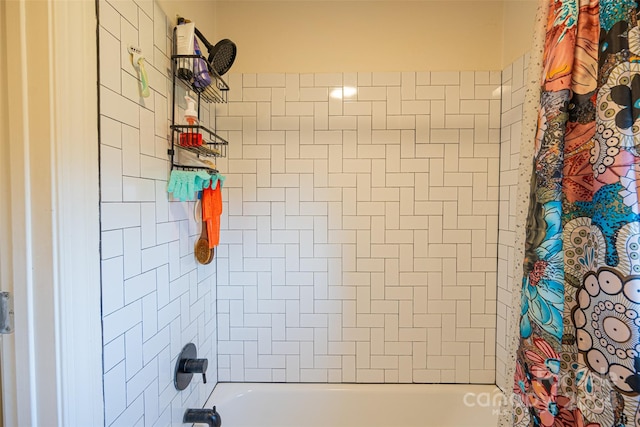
(203, 416)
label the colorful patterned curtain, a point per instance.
(578, 361)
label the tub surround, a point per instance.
(360, 234)
(155, 298)
(513, 94)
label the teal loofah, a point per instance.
(215, 178)
(182, 184)
(185, 184)
(202, 180)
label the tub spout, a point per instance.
(202, 416)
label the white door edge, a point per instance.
(52, 364)
(75, 75)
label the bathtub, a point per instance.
(356, 405)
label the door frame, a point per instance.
(49, 253)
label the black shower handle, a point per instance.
(195, 366)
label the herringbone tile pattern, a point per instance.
(360, 232)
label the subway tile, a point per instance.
(115, 393)
(408, 86)
(372, 93)
(110, 174)
(111, 132)
(137, 287)
(445, 78)
(328, 156)
(385, 137)
(142, 379)
(342, 122)
(271, 80)
(452, 100)
(110, 53)
(278, 99)
(111, 244)
(118, 108)
(328, 79)
(386, 79)
(119, 215)
(118, 322)
(357, 108)
(253, 94)
(130, 85)
(109, 19)
(132, 255)
(127, 9)
(160, 29)
(313, 94)
(400, 122)
(128, 36)
(133, 351)
(393, 100)
(467, 85)
(292, 87)
(137, 189)
(415, 107)
(146, 7)
(146, 135)
(321, 116)
(430, 92)
(112, 285)
(154, 168)
(299, 108)
(161, 122)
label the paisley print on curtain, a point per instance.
(578, 362)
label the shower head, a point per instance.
(221, 56)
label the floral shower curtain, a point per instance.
(578, 361)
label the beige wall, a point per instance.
(379, 35)
(202, 12)
(326, 36)
(517, 36)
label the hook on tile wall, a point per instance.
(137, 59)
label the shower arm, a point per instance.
(203, 39)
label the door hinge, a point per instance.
(6, 313)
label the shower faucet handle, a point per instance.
(188, 364)
(195, 366)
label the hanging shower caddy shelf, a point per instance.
(200, 140)
(214, 92)
(196, 139)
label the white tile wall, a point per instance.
(513, 88)
(360, 235)
(155, 299)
